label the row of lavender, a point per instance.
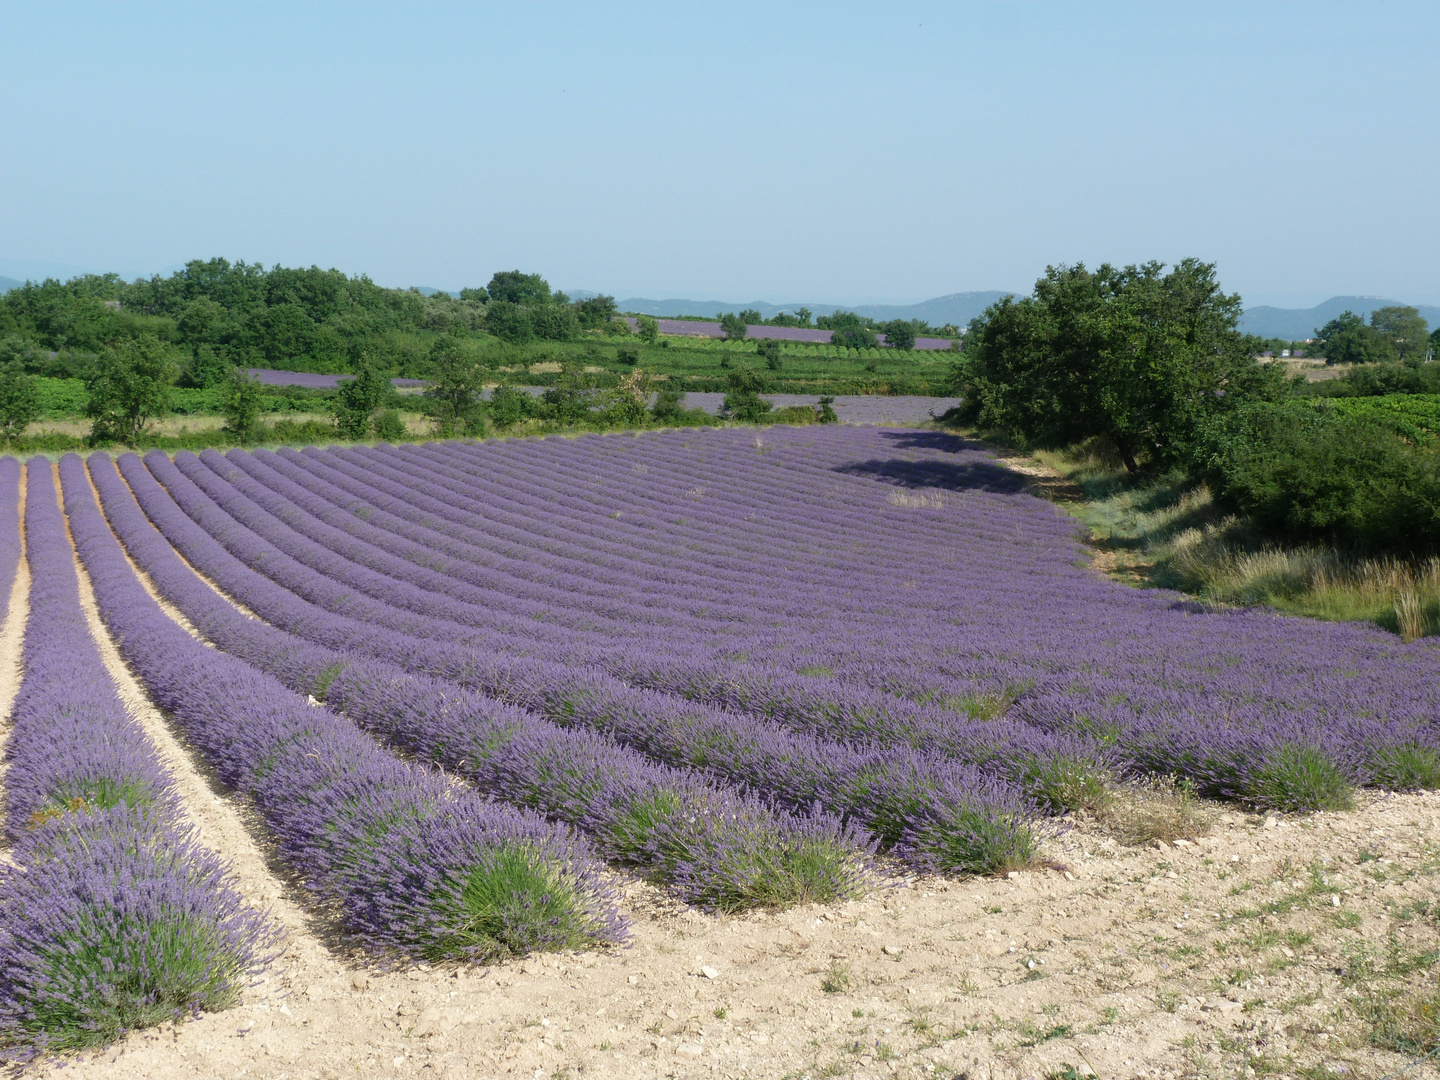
(1287, 752)
(410, 863)
(934, 810)
(1053, 768)
(713, 844)
(114, 916)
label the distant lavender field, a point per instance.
(311, 381)
(690, 328)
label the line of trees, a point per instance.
(214, 316)
(1394, 335)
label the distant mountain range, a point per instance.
(956, 308)
(8, 283)
(1296, 324)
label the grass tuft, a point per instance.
(1301, 778)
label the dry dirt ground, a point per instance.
(1250, 946)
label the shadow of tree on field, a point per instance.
(970, 469)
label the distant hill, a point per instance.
(8, 283)
(956, 308)
(1296, 324)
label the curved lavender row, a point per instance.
(9, 530)
(1098, 598)
(119, 919)
(73, 747)
(1062, 771)
(1053, 768)
(413, 864)
(964, 687)
(718, 847)
(937, 811)
(1400, 753)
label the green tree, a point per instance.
(509, 406)
(508, 321)
(742, 400)
(802, 316)
(555, 323)
(853, 336)
(457, 381)
(207, 369)
(1404, 329)
(128, 386)
(669, 404)
(356, 399)
(847, 330)
(595, 312)
(649, 329)
(1346, 339)
(514, 287)
(243, 399)
(769, 351)
(899, 334)
(627, 403)
(1143, 359)
(19, 398)
(732, 326)
(751, 317)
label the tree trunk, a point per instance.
(1127, 457)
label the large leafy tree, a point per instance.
(1139, 357)
(1346, 339)
(128, 386)
(1404, 329)
(899, 334)
(519, 288)
(732, 326)
(356, 399)
(457, 381)
(19, 398)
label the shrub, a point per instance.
(243, 398)
(1307, 473)
(388, 426)
(509, 406)
(19, 399)
(742, 400)
(769, 351)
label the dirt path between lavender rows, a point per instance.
(1111, 961)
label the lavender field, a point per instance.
(462, 683)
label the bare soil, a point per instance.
(1112, 962)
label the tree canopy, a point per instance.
(1139, 357)
(1404, 329)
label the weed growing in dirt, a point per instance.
(837, 979)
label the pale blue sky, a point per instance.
(842, 153)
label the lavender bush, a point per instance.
(118, 919)
(413, 864)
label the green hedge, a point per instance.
(1362, 474)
